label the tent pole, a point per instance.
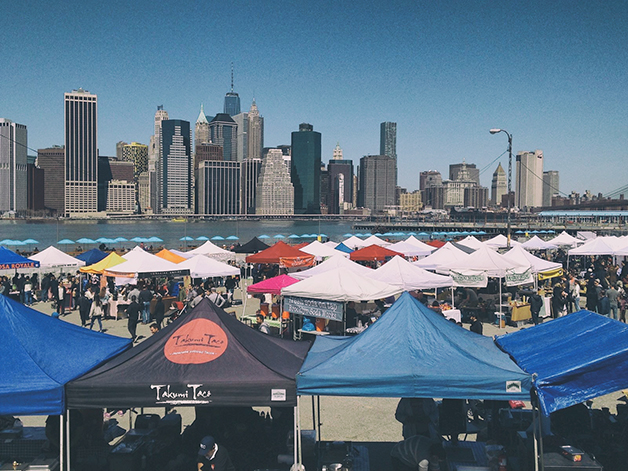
(313, 414)
(67, 438)
(452, 297)
(535, 424)
(296, 412)
(541, 440)
(61, 442)
(299, 435)
(318, 401)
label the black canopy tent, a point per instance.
(252, 246)
(204, 358)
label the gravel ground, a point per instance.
(343, 418)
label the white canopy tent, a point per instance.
(447, 255)
(213, 251)
(138, 261)
(536, 243)
(565, 240)
(422, 245)
(471, 242)
(332, 263)
(354, 243)
(521, 256)
(341, 285)
(411, 250)
(500, 241)
(374, 240)
(321, 251)
(486, 260)
(409, 277)
(52, 258)
(597, 246)
(201, 266)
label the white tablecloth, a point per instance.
(453, 314)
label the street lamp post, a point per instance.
(495, 131)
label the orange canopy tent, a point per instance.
(171, 257)
(274, 253)
(373, 252)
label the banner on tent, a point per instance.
(331, 310)
(546, 275)
(477, 279)
(515, 278)
(290, 262)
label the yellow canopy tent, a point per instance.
(171, 257)
(109, 261)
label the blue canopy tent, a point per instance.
(92, 256)
(412, 352)
(45, 353)
(9, 260)
(573, 358)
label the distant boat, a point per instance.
(179, 220)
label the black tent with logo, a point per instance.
(204, 358)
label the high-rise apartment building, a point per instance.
(218, 188)
(223, 131)
(176, 167)
(377, 183)
(551, 184)
(81, 152)
(306, 169)
(201, 129)
(529, 187)
(499, 185)
(275, 192)
(388, 139)
(52, 162)
(13, 166)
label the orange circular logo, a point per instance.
(198, 341)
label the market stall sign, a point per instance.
(472, 279)
(331, 310)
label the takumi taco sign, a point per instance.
(196, 342)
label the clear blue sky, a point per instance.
(552, 73)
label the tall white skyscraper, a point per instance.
(13, 173)
(154, 158)
(81, 152)
(275, 191)
(499, 185)
(529, 186)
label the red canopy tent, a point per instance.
(373, 252)
(274, 253)
(436, 243)
(272, 285)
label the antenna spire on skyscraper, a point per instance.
(232, 77)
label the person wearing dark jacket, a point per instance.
(213, 457)
(133, 312)
(476, 325)
(604, 305)
(536, 303)
(159, 311)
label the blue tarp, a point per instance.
(575, 358)
(9, 260)
(40, 354)
(412, 352)
(343, 248)
(92, 256)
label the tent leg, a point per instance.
(67, 438)
(535, 425)
(318, 401)
(541, 441)
(452, 298)
(300, 461)
(296, 430)
(61, 442)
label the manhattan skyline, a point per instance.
(553, 74)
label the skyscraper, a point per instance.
(52, 162)
(249, 174)
(232, 100)
(341, 184)
(275, 192)
(472, 172)
(176, 167)
(218, 187)
(201, 130)
(138, 154)
(499, 186)
(529, 187)
(551, 182)
(154, 160)
(255, 133)
(81, 152)
(13, 166)
(377, 182)
(306, 169)
(242, 136)
(223, 131)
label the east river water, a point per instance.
(49, 232)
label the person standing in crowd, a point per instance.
(613, 300)
(85, 305)
(96, 313)
(159, 311)
(133, 313)
(45, 286)
(603, 304)
(591, 293)
(145, 297)
(28, 291)
(230, 285)
(536, 303)
(476, 325)
(419, 417)
(216, 298)
(574, 291)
